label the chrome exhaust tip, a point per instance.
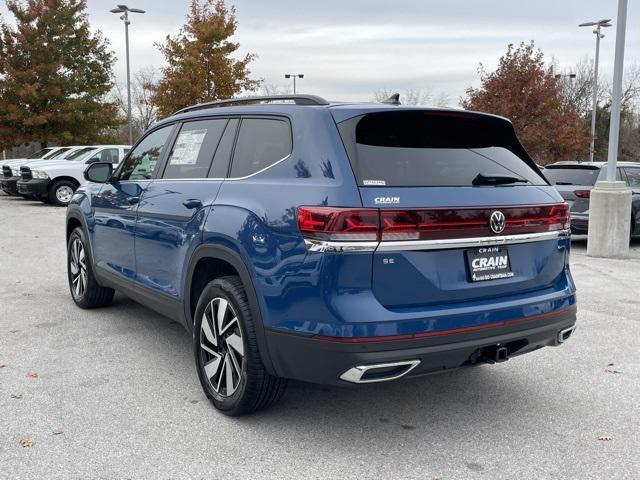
(563, 335)
(381, 372)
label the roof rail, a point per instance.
(296, 99)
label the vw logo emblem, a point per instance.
(497, 221)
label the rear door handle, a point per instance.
(192, 203)
(133, 200)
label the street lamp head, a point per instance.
(124, 8)
(287, 75)
(300, 75)
(606, 22)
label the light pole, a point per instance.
(294, 76)
(599, 24)
(125, 16)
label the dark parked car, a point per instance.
(574, 181)
(331, 243)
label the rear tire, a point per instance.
(61, 192)
(85, 291)
(226, 351)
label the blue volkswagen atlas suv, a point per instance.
(333, 243)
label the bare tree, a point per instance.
(143, 110)
(414, 96)
(269, 89)
(146, 111)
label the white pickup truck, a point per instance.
(11, 168)
(55, 181)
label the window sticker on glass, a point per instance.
(380, 183)
(187, 147)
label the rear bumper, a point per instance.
(36, 186)
(579, 223)
(9, 185)
(324, 360)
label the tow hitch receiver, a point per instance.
(502, 354)
(492, 354)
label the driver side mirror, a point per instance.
(99, 172)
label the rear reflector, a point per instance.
(372, 224)
(582, 193)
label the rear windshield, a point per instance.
(427, 148)
(572, 176)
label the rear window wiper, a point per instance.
(564, 183)
(488, 179)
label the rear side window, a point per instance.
(194, 148)
(633, 176)
(572, 176)
(427, 148)
(261, 143)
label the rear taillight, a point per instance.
(582, 193)
(339, 224)
(389, 225)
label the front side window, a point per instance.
(194, 148)
(142, 161)
(261, 143)
(109, 155)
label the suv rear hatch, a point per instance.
(575, 182)
(436, 178)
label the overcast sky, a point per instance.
(348, 49)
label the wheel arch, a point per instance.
(64, 177)
(224, 261)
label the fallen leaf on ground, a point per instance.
(605, 438)
(408, 427)
(14, 331)
(32, 375)
(17, 396)
(26, 442)
(2, 365)
(610, 365)
(608, 370)
(58, 431)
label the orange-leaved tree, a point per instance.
(54, 75)
(524, 90)
(200, 63)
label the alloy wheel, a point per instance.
(64, 194)
(222, 347)
(78, 267)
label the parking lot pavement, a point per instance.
(113, 393)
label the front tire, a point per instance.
(226, 351)
(85, 291)
(61, 192)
